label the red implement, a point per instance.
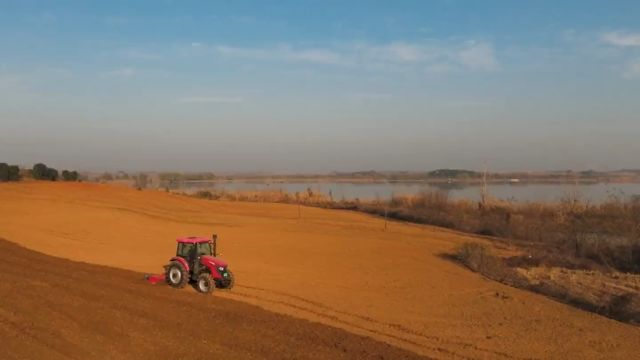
(154, 278)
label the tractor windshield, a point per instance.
(204, 249)
(184, 249)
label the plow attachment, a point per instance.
(154, 278)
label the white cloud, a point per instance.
(621, 39)
(478, 56)
(211, 99)
(628, 44)
(434, 58)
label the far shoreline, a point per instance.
(469, 182)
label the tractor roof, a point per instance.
(192, 239)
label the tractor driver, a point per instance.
(193, 258)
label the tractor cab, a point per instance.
(200, 246)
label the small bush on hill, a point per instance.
(479, 258)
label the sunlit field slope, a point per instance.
(62, 309)
(333, 267)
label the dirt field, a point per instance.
(63, 309)
(332, 267)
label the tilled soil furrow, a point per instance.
(77, 310)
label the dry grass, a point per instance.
(578, 234)
(571, 233)
(614, 295)
(562, 242)
(272, 196)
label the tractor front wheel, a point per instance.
(205, 283)
(176, 275)
(227, 281)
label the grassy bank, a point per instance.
(586, 255)
(570, 233)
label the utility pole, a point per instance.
(484, 191)
(385, 218)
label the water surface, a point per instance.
(368, 191)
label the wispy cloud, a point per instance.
(632, 70)
(478, 56)
(126, 72)
(116, 20)
(43, 18)
(434, 58)
(624, 49)
(10, 81)
(284, 53)
(369, 96)
(622, 39)
(140, 54)
(211, 99)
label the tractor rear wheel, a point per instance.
(205, 283)
(176, 275)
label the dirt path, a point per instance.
(333, 267)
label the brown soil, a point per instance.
(332, 267)
(53, 308)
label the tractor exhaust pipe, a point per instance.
(214, 240)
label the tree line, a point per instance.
(39, 171)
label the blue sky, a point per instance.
(304, 86)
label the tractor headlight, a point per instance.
(221, 268)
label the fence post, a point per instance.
(385, 218)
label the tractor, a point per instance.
(196, 263)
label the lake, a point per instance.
(369, 191)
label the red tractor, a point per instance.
(196, 263)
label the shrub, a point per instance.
(42, 172)
(39, 171)
(9, 172)
(203, 194)
(14, 173)
(4, 172)
(52, 174)
(70, 175)
(479, 258)
(473, 255)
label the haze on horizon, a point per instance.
(316, 86)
